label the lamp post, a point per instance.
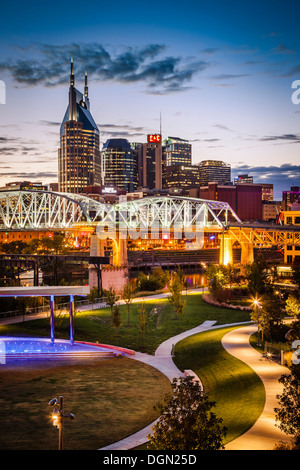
(256, 308)
(58, 416)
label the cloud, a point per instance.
(292, 138)
(47, 65)
(230, 76)
(282, 49)
(282, 176)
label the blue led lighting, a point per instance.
(14, 346)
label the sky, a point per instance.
(218, 74)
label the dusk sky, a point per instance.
(219, 73)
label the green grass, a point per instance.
(238, 392)
(126, 393)
(95, 325)
(111, 399)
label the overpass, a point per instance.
(184, 221)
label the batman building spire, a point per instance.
(79, 162)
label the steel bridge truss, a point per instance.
(34, 210)
(151, 216)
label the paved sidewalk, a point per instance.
(264, 434)
(162, 360)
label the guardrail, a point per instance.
(46, 308)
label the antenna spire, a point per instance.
(86, 89)
(72, 77)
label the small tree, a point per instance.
(116, 318)
(111, 297)
(270, 317)
(93, 295)
(175, 297)
(186, 421)
(216, 278)
(257, 276)
(143, 318)
(288, 414)
(292, 306)
(127, 295)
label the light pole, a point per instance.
(58, 416)
(256, 308)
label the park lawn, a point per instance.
(111, 399)
(238, 392)
(95, 325)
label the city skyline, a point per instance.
(219, 76)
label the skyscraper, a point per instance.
(150, 166)
(214, 171)
(119, 166)
(177, 151)
(79, 163)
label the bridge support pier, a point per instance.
(247, 253)
(115, 275)
(226, 255)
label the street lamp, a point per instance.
(256, 310)
(58, 416)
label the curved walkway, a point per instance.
(263, 435)
(162, 360)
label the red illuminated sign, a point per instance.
(154, 138)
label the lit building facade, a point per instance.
(214, 171)
(79, 163)
(150, 168)
(184, 177)
(177, 151)
(290, 197)
(119, 165)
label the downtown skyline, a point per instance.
(218, 76)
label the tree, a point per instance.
(111, 297)
(257, 276)
(186, 421)
(14, 247)
(93, 295)
(216, 278)
(127, 295)
(288, 414)
(175, 297)
(116, 318)
(270, 317)
(292, 306)
(296, 276)
(143, 318)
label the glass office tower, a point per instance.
(79, 163)
(119, 165)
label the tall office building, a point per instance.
(177, 151)
(79, 163)
(150, 166)
(214, 171)
(119, 165)
(182, 177)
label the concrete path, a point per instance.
(264, 434)
(162, 360)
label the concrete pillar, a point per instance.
(247, 253)
(226, 255)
